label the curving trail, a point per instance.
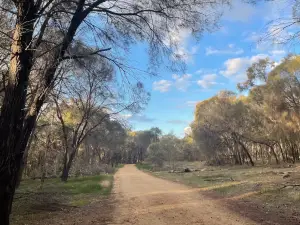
(142, 199)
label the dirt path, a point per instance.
(142, 199)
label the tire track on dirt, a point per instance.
(142, 199)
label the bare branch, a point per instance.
(84, 56)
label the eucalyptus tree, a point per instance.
(263, 124)
(85, 99)
(108, 141)
(143, 139)
(48, 33)
(156, 154)
(190, 149)
(156, 134)
(277, 99)
(225, 120)
(167, 149)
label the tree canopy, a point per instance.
(261, 125)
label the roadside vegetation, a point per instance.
(144, 166)
(248, 143)
(72, 77)
(260, 127)
(262, 188)
(35, 201)
(69, 82)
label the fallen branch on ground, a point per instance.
(289, 185)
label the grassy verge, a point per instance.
(261, 185)
(144, 166)
(33, 201)
(119, 166)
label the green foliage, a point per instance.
(155, 154)
(144, 166)
(74, 186)
(34, 199)
(119, 166)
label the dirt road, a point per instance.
(142, 199)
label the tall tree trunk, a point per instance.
(296, 152)
(65, 173)
(68, 164)
(236, 149)
(12, 140)
(15, 130)
(282, 154)
(293, 153)
(25, 155)
(261, 154)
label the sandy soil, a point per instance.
(142, 199)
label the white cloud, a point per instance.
(126, 116)
(191, 103)
(182, 82)
(277, 18)
(199, 71)
(240, 11)
(277, 9)
(178, 37)
(207, 81)
(278, 52)
(268, 41)
(235, 68)
(206, 71)
(185, 54)
(224, 30)
(121, 117)
(177, 121)
(141, 118)
(178, 40)
(230, 51)
(188, 131)
(252, 36)
(162, 85)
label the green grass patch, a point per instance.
(84, 185)
(79, 202)
(32, 198)
(144, 166)
(195, 179)
(119, 166)
(74, 186)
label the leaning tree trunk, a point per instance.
(274, 154)
(247, 153)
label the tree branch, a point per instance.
(83, 56)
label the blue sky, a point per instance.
(216, 62)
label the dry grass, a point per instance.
(261, 185)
